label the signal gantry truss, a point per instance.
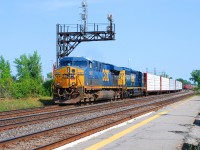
(69, 36)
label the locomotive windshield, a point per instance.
(73, 63)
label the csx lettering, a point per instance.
(105, 77)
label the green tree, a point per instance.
(165, 75)
(22, 65)
(196, 77)
(48, 84)
(29, 76)
(29, 67)
(35, 67)
(49, 75)
(5, 78)
(185, 82)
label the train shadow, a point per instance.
(46, 102)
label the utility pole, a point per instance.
(84, 15)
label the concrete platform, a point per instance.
(165, 129)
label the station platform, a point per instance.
(166, 129)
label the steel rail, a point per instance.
(83, 107)
(37, 134)
(92, 131)
(43, 109)
(14, 124)
(27, 111)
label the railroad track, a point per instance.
(10, 123)
(30, 111)
(23, 112)
(54, 137)
(15, 122)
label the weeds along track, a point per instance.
(81, 122)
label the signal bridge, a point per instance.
(69, 36)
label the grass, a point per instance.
(198, 91)
(15, 104)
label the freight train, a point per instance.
(189, 87)
(78, 79)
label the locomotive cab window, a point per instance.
(80, 63)
(65, 63)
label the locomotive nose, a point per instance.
(69, 76)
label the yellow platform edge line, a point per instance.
(123, 133)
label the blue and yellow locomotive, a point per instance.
(78, 79)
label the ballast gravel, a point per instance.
(29, 129)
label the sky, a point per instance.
(160, 34)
